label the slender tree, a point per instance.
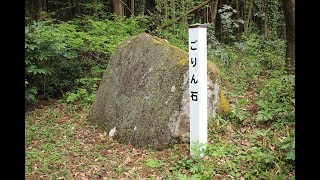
(238, 16)
(166, 9)
(265, 24)
(249, 14)
(132, 7)
(218, 24)
(173, 8)
(289, 14)
(214, 9)
(39, 6)
(118, 7)
(183, 4)
(241, 14)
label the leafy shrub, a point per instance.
(268, 52)
(85, 92)
(30, 93)
(219, 53)
(153, 163)
(57, 54)
(103, 36)
(278, 100)
(288, 145)
(52, 61)
(239, 112)
(184, 163)
(229, 25)
(195, 166)
(176, 35)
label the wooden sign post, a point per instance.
(198, 84)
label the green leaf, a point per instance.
(182, 177)
(290, 155)
(153, 163)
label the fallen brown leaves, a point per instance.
(86, 152)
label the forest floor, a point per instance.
(61, 144)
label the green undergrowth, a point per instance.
(60, 54)
(60, 143)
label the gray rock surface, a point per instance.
(143, 96)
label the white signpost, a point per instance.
(198, 84)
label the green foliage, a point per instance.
(85, 92)
(30, 93)
(52, 61)
(255, 52)
(239, 112)
(289, 146)
(59, 54)
(193, 165)
(198, 149)
(180, 176)
(184, 163)
(237, 161)
(229, 25)
(217, 125)
(153, 163)
(104, 36)
(216, 50)
(277, 100)
(177, 35)
(269, 51)
(252, 71)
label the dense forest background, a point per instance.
(78, 35)
(68, 44)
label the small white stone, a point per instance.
(135, 128)
(112, 132)
(173, 89)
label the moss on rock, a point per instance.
(224, 104)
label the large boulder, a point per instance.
(143, 97)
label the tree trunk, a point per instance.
(238, 16)
(265, 26)
(38, 9)
(218, 24)
(241, 12)
(44, 5)
(183, 5)
(205, 15)
(166, 9)
(173, 4)
(289, 14)
(71, 10)
(142, 9)
(118, 7)
(214, 9)
(247, 21)
(79, 9)
(132, 8)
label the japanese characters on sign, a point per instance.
(194, 94)
(198, 84)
